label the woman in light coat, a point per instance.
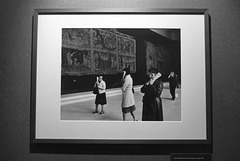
(128, 101)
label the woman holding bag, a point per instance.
(100, 95)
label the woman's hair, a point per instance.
(153, 70)
(127, 70)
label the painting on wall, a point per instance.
(96, 51)
(76, 62)
(155, 58)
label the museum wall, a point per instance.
(88, 53)
(15, 73)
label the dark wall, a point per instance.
(74, 84)
(15, 73)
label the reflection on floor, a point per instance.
(79, 106)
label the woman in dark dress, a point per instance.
(152, 102)
(101, 94)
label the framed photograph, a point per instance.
(151, 69)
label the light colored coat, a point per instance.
(101, 86)
(127, 93)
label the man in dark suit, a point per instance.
(172, 84)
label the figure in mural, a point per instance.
(104, 40)
(86, 61)
(128, 101)
(120, 66)
(75, 62)
(152, 102)
(113, 63)
(76, 37)
(105, 62)
(126, 46)
(173, 84)
(96, 61)
(101, 95)
(69, 58)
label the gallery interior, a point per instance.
(88, 53)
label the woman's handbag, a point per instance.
(133, 91)
(95, 90)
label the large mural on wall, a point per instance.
(157, 57)
(104, 40)
(104, 62)
(76, 62)
(96, 51)
(76, 38)
(126, 46)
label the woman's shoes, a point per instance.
(94, 112)
(102, 112)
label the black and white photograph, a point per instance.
(136, 74)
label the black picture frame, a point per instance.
(36, 88)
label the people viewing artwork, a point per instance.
(129, 69)
(173, 84)
(152, 102)
(128, 101)
(100, 85)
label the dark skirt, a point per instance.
(101, 99)
(128, 109)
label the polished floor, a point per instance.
(79, 106)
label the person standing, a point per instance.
(152, 102)
(101, 94)
(128, 101)
(172, 84)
